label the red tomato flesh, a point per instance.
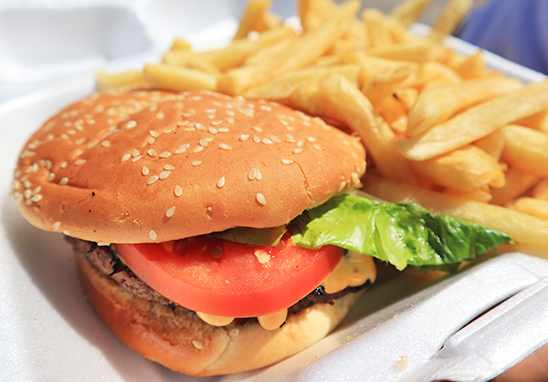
(224, 278)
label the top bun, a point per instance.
(150, 166)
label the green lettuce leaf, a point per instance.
(400, 234)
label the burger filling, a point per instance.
(352, 274)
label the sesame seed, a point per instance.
(182, 123)
(317, 147)
(63, 164)
(221, 182)
(230, 120)
(152, 179)
(164, 174)
(50, 177)
(191, 128)
(105, 143)
(36, 198)
(165, 154)
(170, 212)
(182, 149)
(260, 198)
(153, 235)
(224, 146)
(27, 194)
(154, 133)
(153, 108)
(297, 151)
(178, 191)
(210, 111)
(252, 174)
(216, 123)
(287, 161)
(355, 178)
(224, 130)
(63, 181)
(275, 139)
(256, 139)
(126, 156)
(145, 171)
(136, 158)
(300, 144)
(56, 226)
(152, 152)
(196, 163)
(257, 129)
(199, 126)
(131, 124)
(198, 149)
(160, 115)
(169, 167)
(197, 344)
(151, 140)
(342, 186)
(203, 142)
(213, 130)
(36, 190)
(244, 137)
(258, 175)
(267, 141)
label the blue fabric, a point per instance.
(514, 29)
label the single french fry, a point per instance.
(313, 12)
(179, 57)
(438, 104)
(178, 78)
(472, 66)
(476, 122)
(538, 121)
(521, 227)
(307, 98)
(416, 51)
(526, 149)
(517, 182)
(379, 34)
(252, 18)
(532, 206)
(181, 44)
(265, 55)
(283, 86)
(451, 16)
(406, 96)
(358, 113)
(482, 194)
(394, 112)
(540, 191)
(464, 169)
(409, 11)
(130, 78)
(492, 144)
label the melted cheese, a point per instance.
(273, 321)
(214, 320)
(353, 270)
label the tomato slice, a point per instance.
(225, 278)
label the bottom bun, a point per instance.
(180, 340)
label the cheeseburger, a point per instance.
(139, 180)
(215, 234)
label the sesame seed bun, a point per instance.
(181, 341)
(151, 166)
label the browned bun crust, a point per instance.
(151, 166)
(181, 341)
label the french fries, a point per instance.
(440, 128)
